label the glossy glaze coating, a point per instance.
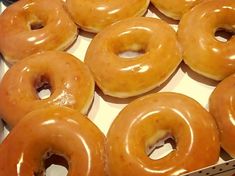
(148, 119)
(56, 130)
(69, 80)
(122, 77)
(202, 51)
(18, 40)
(175, 9)
(94, 15)
(221, 104)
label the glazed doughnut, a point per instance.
(123, 78)
(56, 130)
(175, 9)
(93, 15)
(32, 26)
(202, 51)
(69, 80)
(149, 119)
(221, 106)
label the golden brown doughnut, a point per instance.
(202, 51)
(221, 104)
(32, 26)
(69, 80)
(123, 78)
(56, 130)
(93, 15)
(175, 9)
(149, 119)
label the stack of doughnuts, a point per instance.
(34, 38)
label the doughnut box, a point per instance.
(105, 108)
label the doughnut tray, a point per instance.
(104, 108)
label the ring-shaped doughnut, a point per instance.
(201, 50)
(149, 119)
(54, 130)
(221, 104)
(121, 77)
(93, 15)
(32, 26)
(69, 80)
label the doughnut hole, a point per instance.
(133, 52)
(128, 46)
(159, 148)
(56, 165)
(35, 25)
(43, 87)
(36, 20)
(53, 164)
(224, 34)
(160, 139)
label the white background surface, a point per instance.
(104, 108)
